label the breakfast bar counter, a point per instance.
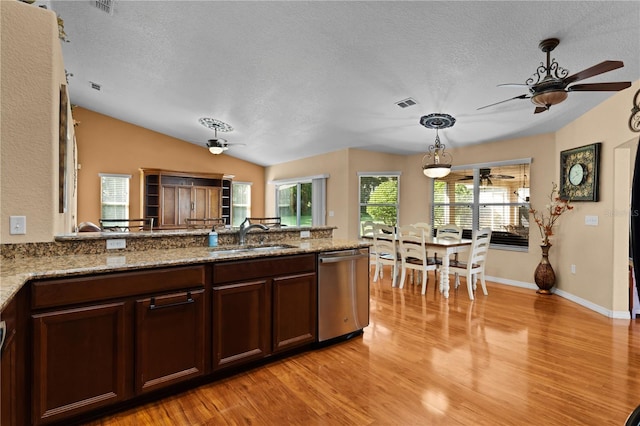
(16, 272)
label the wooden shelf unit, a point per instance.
(169, 197)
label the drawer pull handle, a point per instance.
(153, 305)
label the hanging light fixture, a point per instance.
(437, 163)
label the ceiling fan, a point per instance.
(216, 145)
(549, 85)
(486, 176)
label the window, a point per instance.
(492, 195)
(114, 190)
(302, 201)
(379, 198)
(241, 202)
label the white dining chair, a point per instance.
(450, 231)
(367, 230)
(386, 252)
(473, 268)
(413, 254)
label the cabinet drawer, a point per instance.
(67, 291)
(243, 270)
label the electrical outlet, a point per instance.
(118, 243)
(573, 269)
(18, 225)
(305, 234)
(591, 220)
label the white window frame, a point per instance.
(318, 196)
(126, 203)
(361, 204)
(475, 204)
(233, 205)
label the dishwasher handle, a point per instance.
(342, 258)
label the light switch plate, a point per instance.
(18, 225)
(118, 243)
(591, 220)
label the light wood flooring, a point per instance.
(510, 358)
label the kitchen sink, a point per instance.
(251, 249)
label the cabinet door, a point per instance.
(169, 216)
(200, 202)
(241, 323)
(9, 363)
(81, 360)
(185, 205)
(294, 311)
(170, 340)
(213, 202)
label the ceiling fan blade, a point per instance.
(525, 96)
(600, 87)
(512, 85)
(539, 109)
(501, 177)
(600, 68)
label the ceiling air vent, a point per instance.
(406, 102)
(95, 86)
(104, 5)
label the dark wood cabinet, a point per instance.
(262, 307)
(170, 197)
(240, 318)
(78, 345)
(294, 311)
(81, 360)
(169, 339)
(13, 408)
(97, 342)
(178, 203)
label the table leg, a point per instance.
(444, 276)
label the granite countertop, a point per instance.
(16, 272)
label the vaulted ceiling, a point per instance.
(296, 79)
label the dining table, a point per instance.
(448, 246)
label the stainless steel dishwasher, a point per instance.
(343, 292)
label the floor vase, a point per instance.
(544, 276)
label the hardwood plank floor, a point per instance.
(511, 358)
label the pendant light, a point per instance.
(437, 163)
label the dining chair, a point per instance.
(450, 231)
(413, 254)
(473, 268)
(368, 228)
(367, 231)
(386, 252)
(424, 225)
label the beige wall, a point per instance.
(31, 75)
(599, 253)
(335, 165)
(107, 145)
(342, 185)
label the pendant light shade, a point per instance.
(437, 162)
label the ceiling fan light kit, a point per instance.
(436, 163)
(549, 85)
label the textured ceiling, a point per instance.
(297, 79)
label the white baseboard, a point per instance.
(580, 301)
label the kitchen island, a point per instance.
(94, 331)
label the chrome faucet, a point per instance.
(244, 228)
